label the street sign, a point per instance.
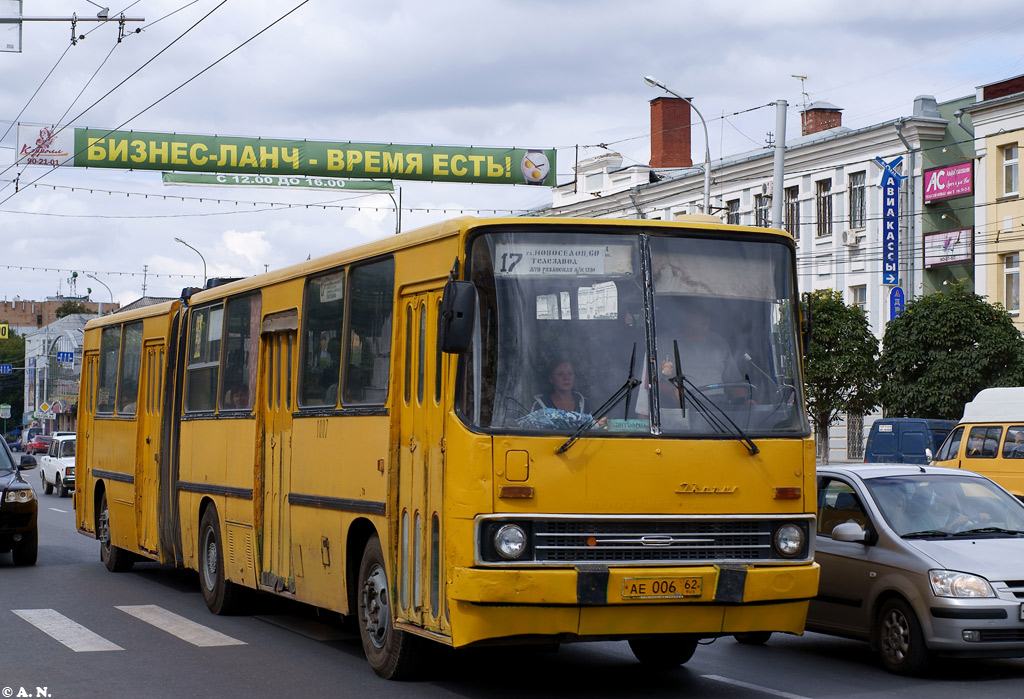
(6, 369)
(5, 329)
(5, 410)
(890, 219)
(896, 302)
(66, 357)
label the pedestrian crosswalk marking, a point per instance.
(73, 635)
(185, 629)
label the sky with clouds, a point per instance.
(564, 74)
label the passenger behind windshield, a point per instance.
(706, 360)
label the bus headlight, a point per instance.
(510, 542)
(789, 540)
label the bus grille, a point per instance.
(692, 541)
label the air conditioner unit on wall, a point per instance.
(849, 239)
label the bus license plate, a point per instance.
(660, 588)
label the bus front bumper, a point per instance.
(598, 602)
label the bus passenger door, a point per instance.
(421, 466)
(147, 474)
(84, 448)
(273, 520)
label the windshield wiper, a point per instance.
(926, 534)
(624, 391)
(707, 407)
(988, 530)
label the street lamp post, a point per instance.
(93, 276)
(654, 82)
(179, 240)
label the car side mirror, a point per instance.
(849, 531)
(27, 461)
(928, 454)
(458, 309)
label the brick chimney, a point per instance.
(820, 116)
(670, 132)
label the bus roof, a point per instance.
(155, 309)
(453, 227)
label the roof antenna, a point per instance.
(803, 92)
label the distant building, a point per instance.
(53, 366)
(27, 316)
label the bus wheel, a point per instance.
(116, 560)
(668, 651)
(221, 595)
(392, 653)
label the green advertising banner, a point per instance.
(287, 181)
(260, 156)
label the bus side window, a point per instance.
(203, 364)
(368, 346)
(324, 309)
(128, 374)
(239, 377)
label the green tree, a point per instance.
(841, 368)
(944, 349)
(69, 307)
(12, 386)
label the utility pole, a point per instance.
(778, 169)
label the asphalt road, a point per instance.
(70, 628)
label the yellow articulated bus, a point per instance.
(486, 431)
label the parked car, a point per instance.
(57, 466)
(40, 444)
(905, 440)
(920, 561)
(18, 509)
(990, 438)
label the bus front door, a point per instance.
(273, 518)
(421, 467)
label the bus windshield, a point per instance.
(640, 333)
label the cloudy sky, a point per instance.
(565, 74)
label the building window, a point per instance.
(791, 219)
(859, 297)
(734, 212)
(823, 202)
(857, 208)
(762, 210)
(1011, 282)
(1010, 182)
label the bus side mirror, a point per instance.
(458, 306)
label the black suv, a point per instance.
(18, 509)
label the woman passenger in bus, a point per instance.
(562, 395)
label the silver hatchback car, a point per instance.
(920, 561)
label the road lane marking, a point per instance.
(185, 629)
(56, 510)
(755, 687)
(59, 627)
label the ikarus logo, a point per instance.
(694, 489)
